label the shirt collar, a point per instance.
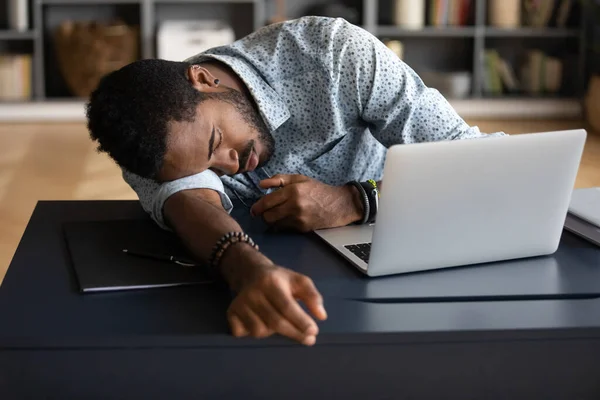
(271, 106)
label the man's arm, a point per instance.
(391, 98)
(188, 210)
(304, 204)
(266, 294)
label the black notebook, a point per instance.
(96, 250)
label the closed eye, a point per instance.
(220, 139)
(211, 142)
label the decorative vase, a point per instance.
(409, 14)
(504, 13)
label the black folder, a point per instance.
(96, 251)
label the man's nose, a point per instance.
(227, 161)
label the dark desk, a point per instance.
(465, 337)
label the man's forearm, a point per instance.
(355, 208)
(266, 300)
(197, 219)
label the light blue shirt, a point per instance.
(334, 98)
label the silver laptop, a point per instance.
(454, 203)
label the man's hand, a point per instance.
(267, 304)
(267, 295)
(304, 204)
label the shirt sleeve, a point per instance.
(153, 195)
(390, 97)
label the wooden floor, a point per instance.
(58, 161)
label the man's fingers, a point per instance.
(278, 323)
(281, 180)
(277, 215)
(291, 311)
(273, 182)
(253, 323)
(268, 201)
(237, 327)
(304, 289)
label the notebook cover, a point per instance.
(96, 250)
(583, 228)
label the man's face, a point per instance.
(228, 136)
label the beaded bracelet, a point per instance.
(225, 242)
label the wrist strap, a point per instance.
(226, 242)
(373, 196)
(365, 201)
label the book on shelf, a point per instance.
(545, 13)
(507, 75)
(449, 12)
(539, 74)
(563, 12)
(15, 77)
(492, 83)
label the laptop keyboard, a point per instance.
(361, 250)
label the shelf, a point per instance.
(518, 107)
(470, 31)
(446, 31)
(202, 1)
(103, 2)
(525, 97)
(531, 32)
(17, 35)
(88, 2)
(474, 108)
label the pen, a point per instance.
(161, 257)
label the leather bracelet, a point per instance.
(226, 242)
(365, 201)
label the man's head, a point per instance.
(165, 120)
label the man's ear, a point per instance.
(202, 79)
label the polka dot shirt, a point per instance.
(333, 96)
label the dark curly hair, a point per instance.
(129, 112)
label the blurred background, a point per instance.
(490, 57)
(505, 65)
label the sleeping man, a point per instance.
(308, 107)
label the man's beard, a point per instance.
(250, 114)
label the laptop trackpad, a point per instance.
(352, 234)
